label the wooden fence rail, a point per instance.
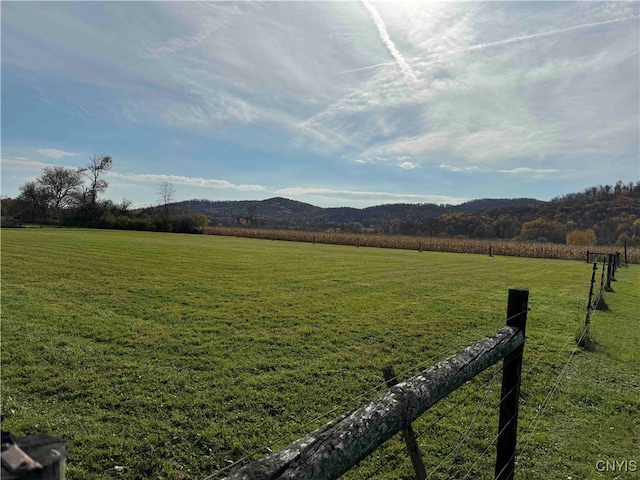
(339, 445)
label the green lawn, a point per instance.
(171, 355)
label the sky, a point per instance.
(330, 103)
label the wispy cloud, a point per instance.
(453, 168)
(369, 195)
(513, 89)
(364, 69)
(190, 181)
(528, 170)
(21, 165)
(481, 46)
(408, 165)
(53, 153)
(180, 44)
(537, 172)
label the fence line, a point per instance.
(298, 430)
(502, 430)
(469, 429)
(425, 430)
(336, 447)
(364, 394)
(611, 262)
(608, 260)
(420, 244)
(547, 400)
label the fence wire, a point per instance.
(495, 439)
(453, 454)
(365, 394)
(425, 429)
(536, 420)
(455, 451)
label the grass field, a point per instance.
(169, 356)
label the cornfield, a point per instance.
(436, 244)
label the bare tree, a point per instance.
(124, 206)
(63, 184)
(166, 192)
(98, 166)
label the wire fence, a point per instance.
(427, 428)
(302, 429)
(392, 454)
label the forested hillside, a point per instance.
(601, 214)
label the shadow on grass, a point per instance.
(602, 306)
(588, 344)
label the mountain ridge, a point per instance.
(284, 212)
(611, 212)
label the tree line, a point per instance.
(64, 196)
(599, 215)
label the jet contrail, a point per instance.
(499, 43)
(384, 36)
(362, 69)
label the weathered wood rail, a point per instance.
(333, 449)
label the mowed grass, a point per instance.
(171, 356)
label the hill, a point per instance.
(286, 213)
(611, 212)
(603, 214)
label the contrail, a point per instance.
(543, 34)
(499, 43)
(384, 36)
(362, 69)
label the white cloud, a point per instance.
(177, 45)
(183, 180)
(417, 144)
(453, 168)
(53, 153)
(21, 165)
(528, 170)
(494, 85)
(408, 165)
(369, 196)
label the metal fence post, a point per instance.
(607, 287)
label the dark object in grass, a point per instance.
(43, 457)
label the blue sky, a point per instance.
(331, 103)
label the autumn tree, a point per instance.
(543, 230)
(506, 226)
(202, 221)
(581, 237)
